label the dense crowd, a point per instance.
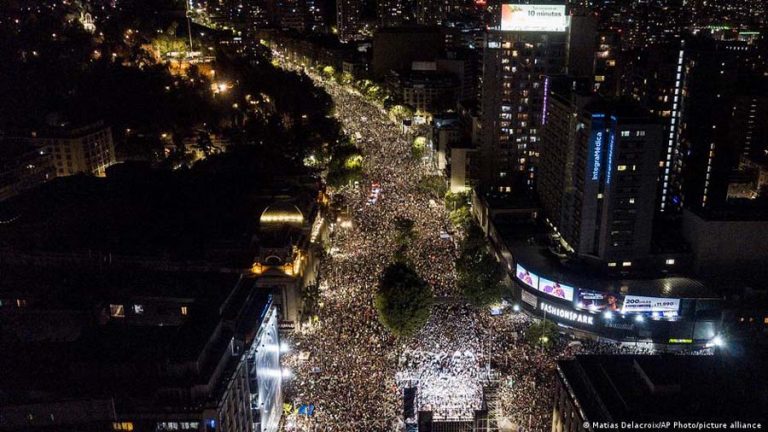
(352, 370)
(346, 363)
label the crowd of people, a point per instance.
(346, 363)
(352, 370)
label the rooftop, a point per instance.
(199, 214)
(647, 388)
(526, 242)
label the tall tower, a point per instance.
(530, 42)
(348, 18)
(599, 165)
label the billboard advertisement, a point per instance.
(599, 301)
(555, 289)
(641, 304)
(533, 18)
(529, 298)
(526, 277)
(596, 141)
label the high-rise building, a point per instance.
(349, 14)
(723, 93)
(34, 157)
(657, 82)
(435, 12)
(598, 174)
(393, 13)
(530, 42)
(397, 48)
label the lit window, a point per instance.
(122, 426)
(116, 311)
(184, 310)
(138, 309)
(670, 261)
(626, 264)
(611, 264)
(621, 168)
(640, 133)
(625, 133)
(631, 200)
(599, 196)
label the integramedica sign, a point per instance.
(533, 18)
(641, 304)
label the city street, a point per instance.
(347, 364)
(360, 368)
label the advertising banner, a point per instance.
(533, 18)
(650, 304)
(599, 301)
(526, 277)
(529, 298)
(555, 289)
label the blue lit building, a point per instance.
(599, 167)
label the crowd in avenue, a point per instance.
(352, 369)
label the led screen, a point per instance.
(599, 301)
(526, 277)
(533, 18)
(650, 304)
(556, 289)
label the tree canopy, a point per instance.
(479, 274)
(403, 300)
(543, 334)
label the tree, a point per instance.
(419, 147)
(403, 300)
(345, 166)
(479, 274)
(433, 185)
(458, 205)
(543, 334)
(456, 200)
(404, 231)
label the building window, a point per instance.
(670, 261)
(621, 168)
(122, 426)
(611, 264)
(138, 309)
(626, 264)
(640, 133)
(117, 311)
(184, 310)
(625, 133)
(631, 200)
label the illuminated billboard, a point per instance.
(526, 277)
(650, 304)
(533, 18)
(555, 289)
(599, 301)
(596, 139)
